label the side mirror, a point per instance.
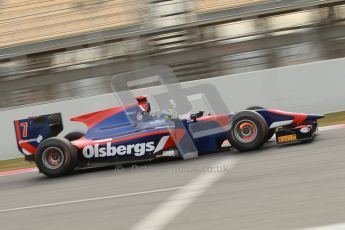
(148, 107)
(195, 116)
(201, 113)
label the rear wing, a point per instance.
(32, 131)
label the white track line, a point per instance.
(327, 227)
(179, 201)
(331, 127)
(89, 199)
(18, 171)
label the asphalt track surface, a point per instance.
(277, 187)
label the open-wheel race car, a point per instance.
(132, 133)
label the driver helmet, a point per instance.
(143, 103)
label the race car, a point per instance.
(132, 133)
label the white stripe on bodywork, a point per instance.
(161, 144)
(38, 140)
(280, 123)
(104, 140)
(26, 152)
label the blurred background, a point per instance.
(57, 49)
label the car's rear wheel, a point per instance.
(248, 132)
(72, 136)
(271, 132)
(255, 107)
(56, 157)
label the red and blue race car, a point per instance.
(132, 134)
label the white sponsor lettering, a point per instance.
(168, 153)
(91, 151)
(121, 150)
(150, 146)
(88, 151)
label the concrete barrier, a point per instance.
(317, 87)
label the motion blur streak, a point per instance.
(51, 50)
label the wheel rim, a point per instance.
(53, 158)
(245, 131)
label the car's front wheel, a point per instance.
(271, 132)
(56, 157)
(248, 131)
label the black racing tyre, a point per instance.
(271, 132)
(255, 107)
(56, 157)
(248, 131)
(74, 136)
